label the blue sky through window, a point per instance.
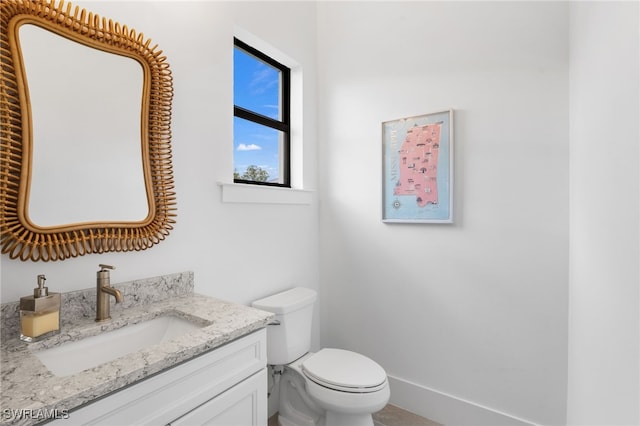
(256, 88)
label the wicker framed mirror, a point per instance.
(22, 237)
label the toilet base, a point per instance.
(331, 419)
(342, 419)
(297, 408)
(285, 421)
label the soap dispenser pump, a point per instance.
(40, 313)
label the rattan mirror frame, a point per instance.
(19, 237)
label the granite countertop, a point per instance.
(28, 385)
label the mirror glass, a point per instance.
(87, 103)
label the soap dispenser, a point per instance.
(40, 313)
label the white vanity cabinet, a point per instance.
(226, 386)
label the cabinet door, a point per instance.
(245, 404)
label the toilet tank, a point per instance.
(291, 338)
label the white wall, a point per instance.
(604, 325)
(238, 252)
(475, 311)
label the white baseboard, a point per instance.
(447, 409)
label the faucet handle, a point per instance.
(105, 267)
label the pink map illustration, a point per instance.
(418, 164)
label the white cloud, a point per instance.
(264, 79)
(250, 147)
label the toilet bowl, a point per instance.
(332, 387)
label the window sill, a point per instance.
(256, 194)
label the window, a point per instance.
(261, 119)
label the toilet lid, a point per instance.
(344, 370)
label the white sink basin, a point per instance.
(74, 357)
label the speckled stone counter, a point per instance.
(26, 384)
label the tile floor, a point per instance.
(389, 416)
(395, 416)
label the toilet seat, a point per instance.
(344, 371)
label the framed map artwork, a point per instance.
(417, 169)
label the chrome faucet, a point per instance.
(104, 289)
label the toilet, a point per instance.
(332, 387)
